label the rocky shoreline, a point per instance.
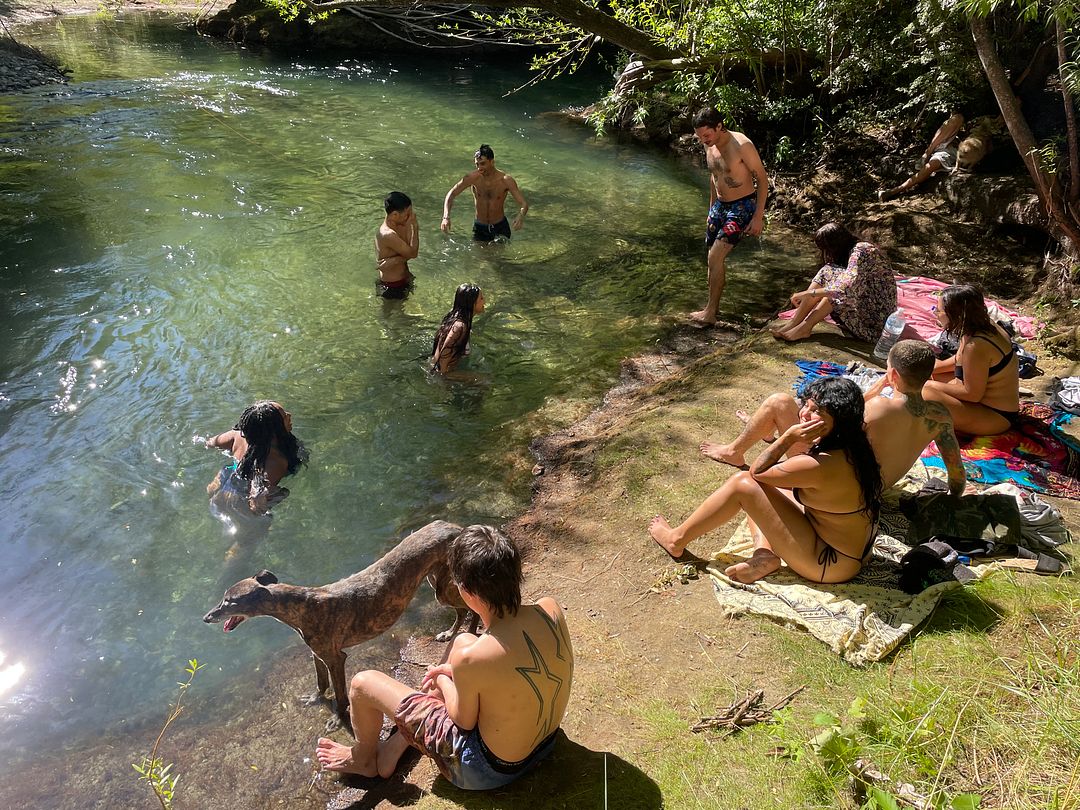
(23, 67)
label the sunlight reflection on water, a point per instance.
(213, 258)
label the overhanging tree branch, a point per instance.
(573, 12)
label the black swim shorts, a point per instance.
(483, 232)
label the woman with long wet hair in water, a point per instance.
(452, 340)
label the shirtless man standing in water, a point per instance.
(397, 241)
(490, 187)
(738, 187)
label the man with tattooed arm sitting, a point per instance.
(899, 427)
(490, 711)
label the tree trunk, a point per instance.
(1062, 225)
(572, 11)
(1073, 194)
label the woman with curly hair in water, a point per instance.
(817, 512)
(264, 450)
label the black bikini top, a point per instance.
(998, 367)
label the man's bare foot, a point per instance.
(664, 535)
(724, 454)
(703, 316)
(390, 751)
(761, 564)
(334, 756)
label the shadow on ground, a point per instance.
(573, 776)
(963, 609)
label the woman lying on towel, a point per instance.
(855, 285)
(817, 512)
(980, 385)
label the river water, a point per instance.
(186, 228)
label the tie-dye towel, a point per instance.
(1036, 455)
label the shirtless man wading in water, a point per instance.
(738, 187)
(490, 187)
(397, 241)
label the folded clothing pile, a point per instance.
(1065, 395)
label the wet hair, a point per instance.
(708, 117)
(914, 361)
(965, 311)
(464, 304)
(396, 201)
(835, 243)
(484, 151)
(843, 401)
(260, 425)
(487, 564)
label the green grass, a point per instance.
(983, 700)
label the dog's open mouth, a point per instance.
(231, 622)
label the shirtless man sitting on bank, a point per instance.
(397, 241)
(899, 428)
(491, 710)
(490, 187)
(738, 188)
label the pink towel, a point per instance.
(917, 294)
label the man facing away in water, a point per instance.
(397, 241)
(490, 187)
(738, 187)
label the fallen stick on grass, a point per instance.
(743, 713)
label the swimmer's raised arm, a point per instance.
(462, 184)
(223, 440)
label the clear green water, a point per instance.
(186, 228)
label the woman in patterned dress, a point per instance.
(855, 285)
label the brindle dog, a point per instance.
(352, 610)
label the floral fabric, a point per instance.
(865, 291)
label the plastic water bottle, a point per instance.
(890, 334)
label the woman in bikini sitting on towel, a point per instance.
(980, 385)
(817, 512)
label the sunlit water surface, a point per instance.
(187, 227)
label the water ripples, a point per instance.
(190, 229)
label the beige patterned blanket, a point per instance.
(863, 620)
